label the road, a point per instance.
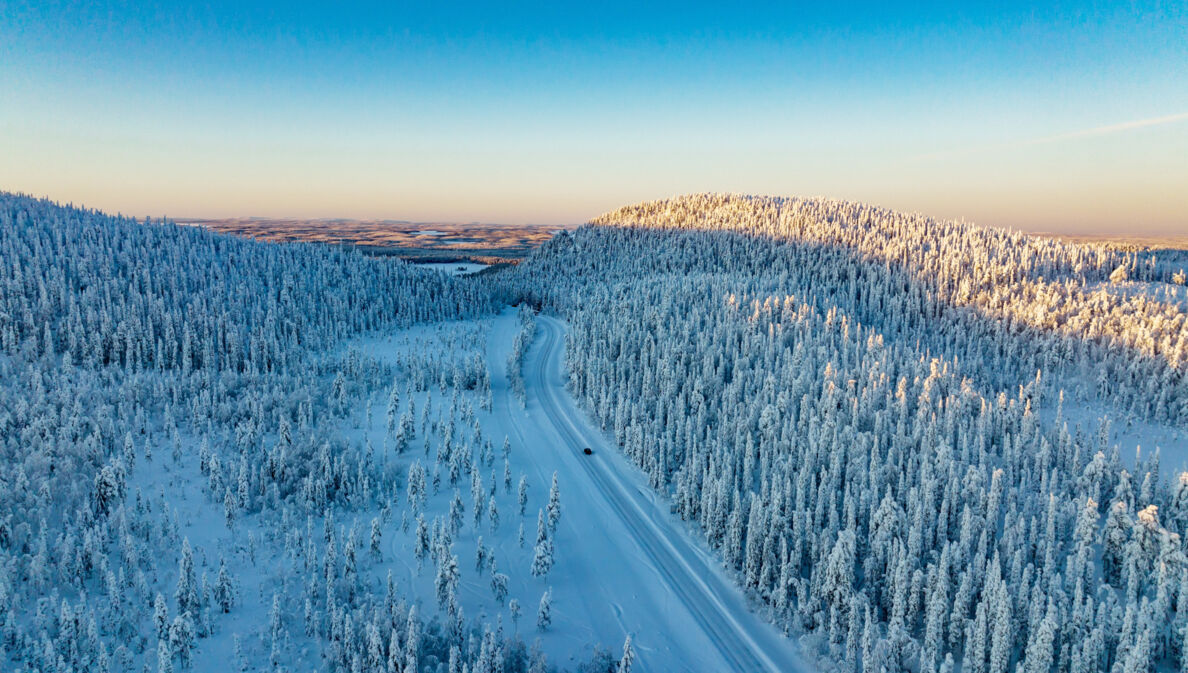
(708, 622)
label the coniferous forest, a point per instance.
(822, 436)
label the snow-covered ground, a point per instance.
(1135, 439)
(174, 491)
(1164, 292)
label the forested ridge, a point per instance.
(155, 295)
(160, 382)
(863, 412)
(1036, 280)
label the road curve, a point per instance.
(745, 641)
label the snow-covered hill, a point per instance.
(913, 442)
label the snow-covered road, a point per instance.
(683, 612)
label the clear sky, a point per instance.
(1062, 116)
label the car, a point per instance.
(588, 451)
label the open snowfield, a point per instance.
(624, 566)
(1135, 439)
(1164, 292)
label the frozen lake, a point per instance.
(454, 268)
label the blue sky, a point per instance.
(1068, 117)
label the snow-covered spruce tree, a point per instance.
(542, 555)
(544, 613)
(515, 361)
(628, 658)
(554, 506)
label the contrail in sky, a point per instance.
(1112, 128)
(1060, 137)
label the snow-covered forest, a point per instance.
(914, 443)
(194, 475)
(874, 440)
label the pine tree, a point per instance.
(392, 408)
(456, 512)
(1039, 654)
(544, 614)
(412, 640)
(554, 506)
(1114, 543)
(224, 590)
(421, 544)
(522, 497)
(542, 558)
(395, 653)
(499, 587)
(181, 638)
(376, 539)
(164, 657)
(446, 582)
(229, 509)
(1001, 639)
(628, 658)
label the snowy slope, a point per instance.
(857, 409)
